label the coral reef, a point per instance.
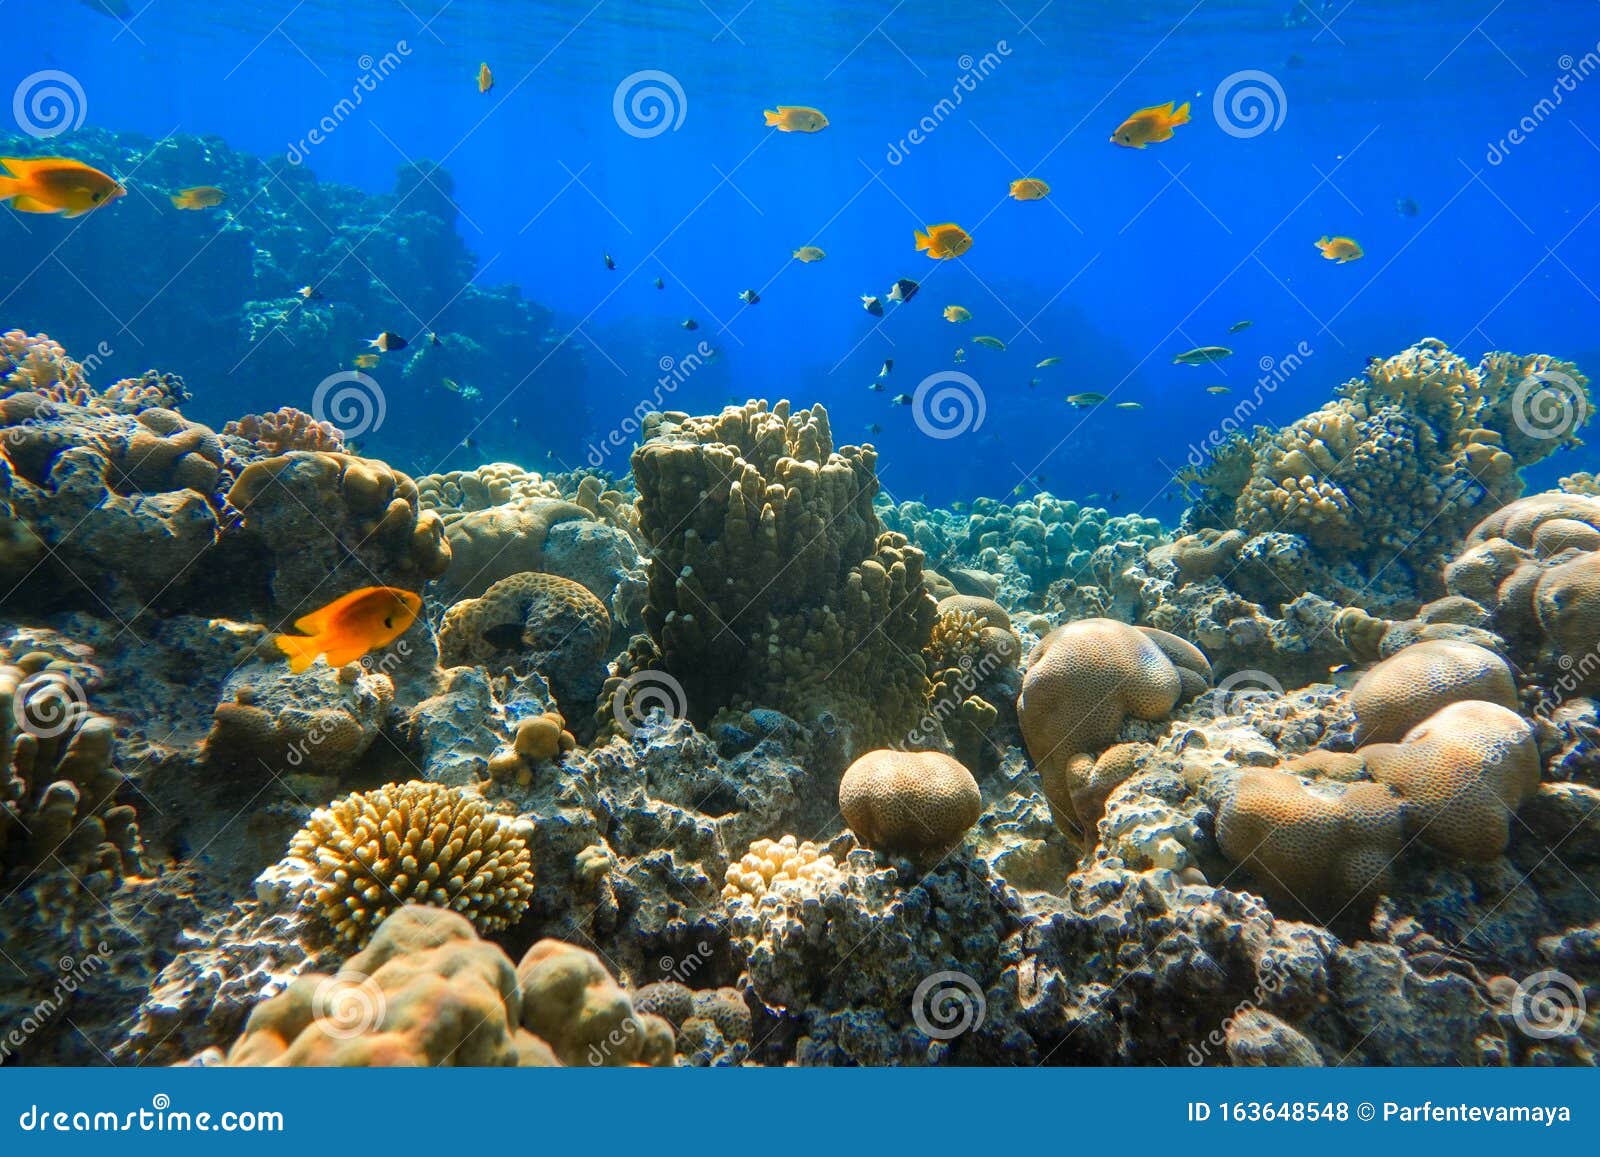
(917, 803)
(286, 429)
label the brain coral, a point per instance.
(771, 580)
(1414, 682)
(1323, 846)
(909, 802)
(1463, 772)
(1404, 461)
(1084, 680)
(365, 855)
(537, 622)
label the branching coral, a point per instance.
(771, 580)
(369, 853)
(285, 429)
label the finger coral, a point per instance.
(775, 864)
(771, 581)
(917, 803)
(364, 855)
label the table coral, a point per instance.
(771, 579)
(917, 803)
(364, 855)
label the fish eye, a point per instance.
(389, 622)
(98, 196)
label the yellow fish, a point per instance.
(1029, 189)
(350, 626)
(942, 242)
(808, 253)
(1340, 249)
(795, 118)
(1052, 360)
(366, 361)
(485, 77)
(1150, 124)
(1218, 390)
(56, 185)
(957, 313)
(199, 197)
(993, 343)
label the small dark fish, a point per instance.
(610, 264)
(433, 339)
(1406, 207)
(387, 342)
(1115, 494)
(1202, 355)
(901, 399)
(660, 284)
(689, 323)
(1239, 326)
(309, 293)
(888, 364)
(903, 290)
(876, 387)
(874, 428)
(469, 443)
(1033, 383)
(1086, 399)
(749, 296)
(872, 305)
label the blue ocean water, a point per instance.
(1309, 118)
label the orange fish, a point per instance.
(795, 118)
(485, 77)
(199, 197)
(1340, 249)
(942, 242)
(1029, 189)
(56, 185)
(1150, 124)
(350, 626)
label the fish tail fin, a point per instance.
(9, 187)
(772, 115)
(1181, 115)
(924, 241)
(302, 650)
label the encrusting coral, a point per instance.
(364, 855)
(771, 581)
(918, 803)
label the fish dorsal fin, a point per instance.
(320, 619)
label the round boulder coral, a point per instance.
(1418, 680)
(909, 802)
(1462, 772)
(419, 843)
